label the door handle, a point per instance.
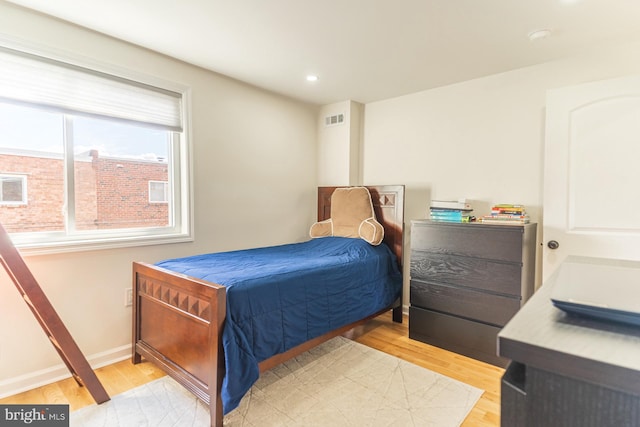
(553, 244)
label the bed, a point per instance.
(197, 330)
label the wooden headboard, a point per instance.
(388, 204)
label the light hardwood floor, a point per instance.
(380, 333)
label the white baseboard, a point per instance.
(25, 382)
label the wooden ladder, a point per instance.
(48, 318)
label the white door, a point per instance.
(591, 201)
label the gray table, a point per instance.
(569, 370)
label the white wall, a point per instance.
(482, 139)
(339, 146)
(254, 167)
(333, 146)
(356, 124)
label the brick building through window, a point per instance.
(110, 192)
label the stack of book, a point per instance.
(450, 211)
(507, 214)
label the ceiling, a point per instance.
(361, 50)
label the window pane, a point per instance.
(114, 163)
(32, 146)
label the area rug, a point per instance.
(339, 383)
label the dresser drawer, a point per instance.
(462, 336)
(502, 243)
(480, 306)
(499, 277)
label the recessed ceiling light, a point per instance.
(312, 78)
(542, 33)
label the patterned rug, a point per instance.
(339, 383)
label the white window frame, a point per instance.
(165, 188)
(180, 170)
(25, 197)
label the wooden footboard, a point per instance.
(178, 323)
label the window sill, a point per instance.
(84, 245)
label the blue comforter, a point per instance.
(279, 297)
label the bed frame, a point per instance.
(178, 320)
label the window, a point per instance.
(158, 192)
(13, 189)
(105, 156)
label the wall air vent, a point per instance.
(335, 120)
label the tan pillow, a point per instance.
(352, 215)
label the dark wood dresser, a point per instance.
(467, 281)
